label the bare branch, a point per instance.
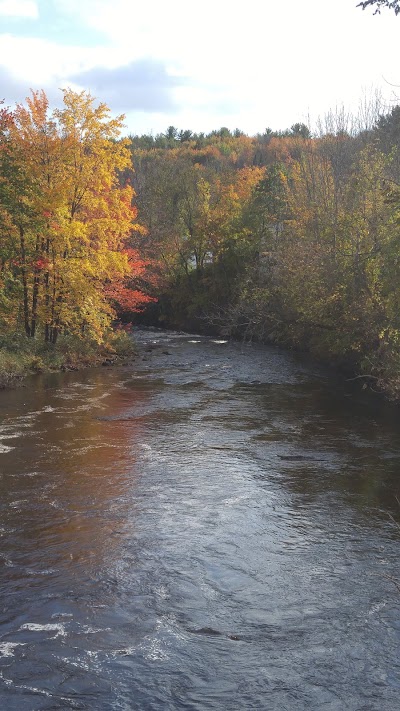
(379, 4)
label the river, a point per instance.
(214, 526)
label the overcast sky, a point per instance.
(248, 64)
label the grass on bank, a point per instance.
(21, 356)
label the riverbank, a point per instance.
(21, 356)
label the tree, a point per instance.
(378, 4)
(185, 136)
(300, 129)
(11, 196)
(69, 216)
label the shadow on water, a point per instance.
(333, 440)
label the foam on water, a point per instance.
(52, 627)
(7, 648)
(4, 448)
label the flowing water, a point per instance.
(213, 526)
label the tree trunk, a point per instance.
(35, 292)
(24, 282)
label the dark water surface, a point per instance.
(214, 526)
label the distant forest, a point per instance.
(285, 236)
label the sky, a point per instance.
(196, 65)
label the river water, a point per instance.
(213, 526)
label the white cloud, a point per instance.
(19, 8)
(29, 58)
(262, 64)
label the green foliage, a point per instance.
(13, 368)
(21, 356)
(120, 343)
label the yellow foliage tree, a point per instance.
(76, 216)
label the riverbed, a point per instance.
(214, 526)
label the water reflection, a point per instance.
(69, 478)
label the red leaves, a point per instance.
(126, 293)
(127, 299)
(41, 263)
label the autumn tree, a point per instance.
(12, 189)
(70, 217)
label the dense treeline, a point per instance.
(282, 236)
